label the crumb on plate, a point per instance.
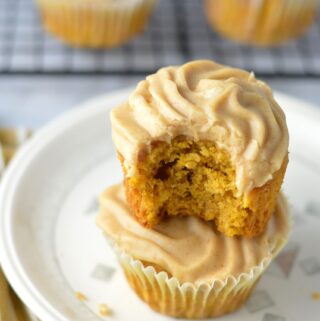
(80, 296)
(104, 310)
(315, 295)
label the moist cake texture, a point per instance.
(206, 140)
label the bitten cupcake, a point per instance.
(205, 140)
(184, 267)
(95, 23)
(263, 22)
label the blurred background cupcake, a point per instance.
(260, 22)
(95, 23)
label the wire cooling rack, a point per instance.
(177, 32)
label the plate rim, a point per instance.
(10, 181)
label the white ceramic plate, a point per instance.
(51, 248)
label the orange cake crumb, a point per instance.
(80, 296)
(104, 310)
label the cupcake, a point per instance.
(184, 267)
(205, 140)
(263, 22)
(95, 23)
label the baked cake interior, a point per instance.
(192, 178)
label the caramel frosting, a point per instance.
(203, 100)
(189, 248)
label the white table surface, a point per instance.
(33, 101)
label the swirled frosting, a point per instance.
(187, 247)
(203, 100)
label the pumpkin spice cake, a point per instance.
(205, 140)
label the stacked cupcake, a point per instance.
(204, 149)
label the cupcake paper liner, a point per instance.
(263, 22)
(95, 23)
(168, 296)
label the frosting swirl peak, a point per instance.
(203, 100)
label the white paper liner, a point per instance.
(266, 22)
(169, 296)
